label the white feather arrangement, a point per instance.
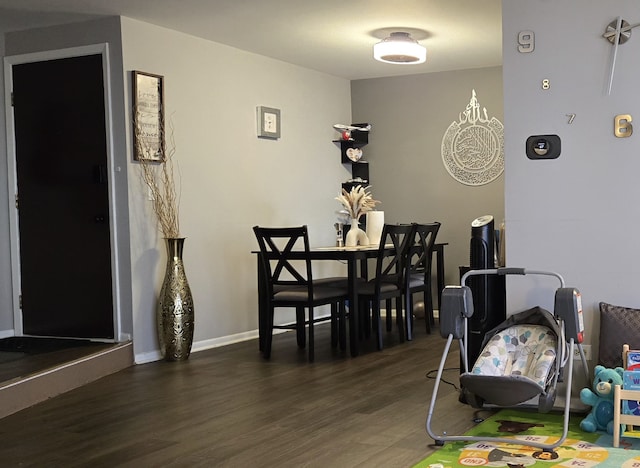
(358, 201)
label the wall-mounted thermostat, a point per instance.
(543, 147)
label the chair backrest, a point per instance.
(419, 258)
(391, 268)
(278, 266)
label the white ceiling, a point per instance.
(331, 36)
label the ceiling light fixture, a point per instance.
(400, 48)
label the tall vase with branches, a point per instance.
(174, 311)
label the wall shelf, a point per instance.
(359, 168)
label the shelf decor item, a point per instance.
(174, 310)
(356, 202)
(375, 224)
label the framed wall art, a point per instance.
(148, 117)
(268, 122)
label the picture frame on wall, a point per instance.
(268, 122)
(148, 117)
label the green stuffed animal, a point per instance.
(601, 399)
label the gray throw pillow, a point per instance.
(618, 326)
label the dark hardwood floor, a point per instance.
(228, 407)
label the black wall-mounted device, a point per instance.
(543, 147)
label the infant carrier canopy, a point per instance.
(521, 359)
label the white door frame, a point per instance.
(9, 62)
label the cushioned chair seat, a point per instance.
(332, 281)
(370, 288)
(416, 279)
(300, 293)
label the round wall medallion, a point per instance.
(473, 147)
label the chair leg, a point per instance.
(300, 331)
(428, 310)
(378, 321)
(365, 318)
(399, 318)
(311, 350)
(268, 334)
(261, 330)
(334, 325)
(408, 315)
(388, 308)
(342, 325)
(428, 302)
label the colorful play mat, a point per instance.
(580, 449)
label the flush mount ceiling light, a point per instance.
(400, 48)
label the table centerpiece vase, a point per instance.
(355, 235)
(355, 203)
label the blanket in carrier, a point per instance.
(518, 360)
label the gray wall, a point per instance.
(577, 214)
(230, 179)
(410, 115)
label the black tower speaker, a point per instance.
(489, 298)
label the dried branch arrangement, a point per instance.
(159, 177)
(358, 201)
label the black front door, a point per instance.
(63, 201)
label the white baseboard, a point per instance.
(218, 342)
(143, 358)
(7, 333)
(225, 340)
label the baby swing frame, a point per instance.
(457, 308)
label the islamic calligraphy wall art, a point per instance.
(473, 147)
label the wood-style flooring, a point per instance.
(228, 407)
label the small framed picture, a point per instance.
(268, 122)
(148, 117)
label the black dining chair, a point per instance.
(389, 280)
(287, 282)
(418, 277)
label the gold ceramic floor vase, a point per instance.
(175, 315)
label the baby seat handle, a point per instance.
(504, 271)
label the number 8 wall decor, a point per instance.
(473, 147)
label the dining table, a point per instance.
(356, 260)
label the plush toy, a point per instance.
(601, 399)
